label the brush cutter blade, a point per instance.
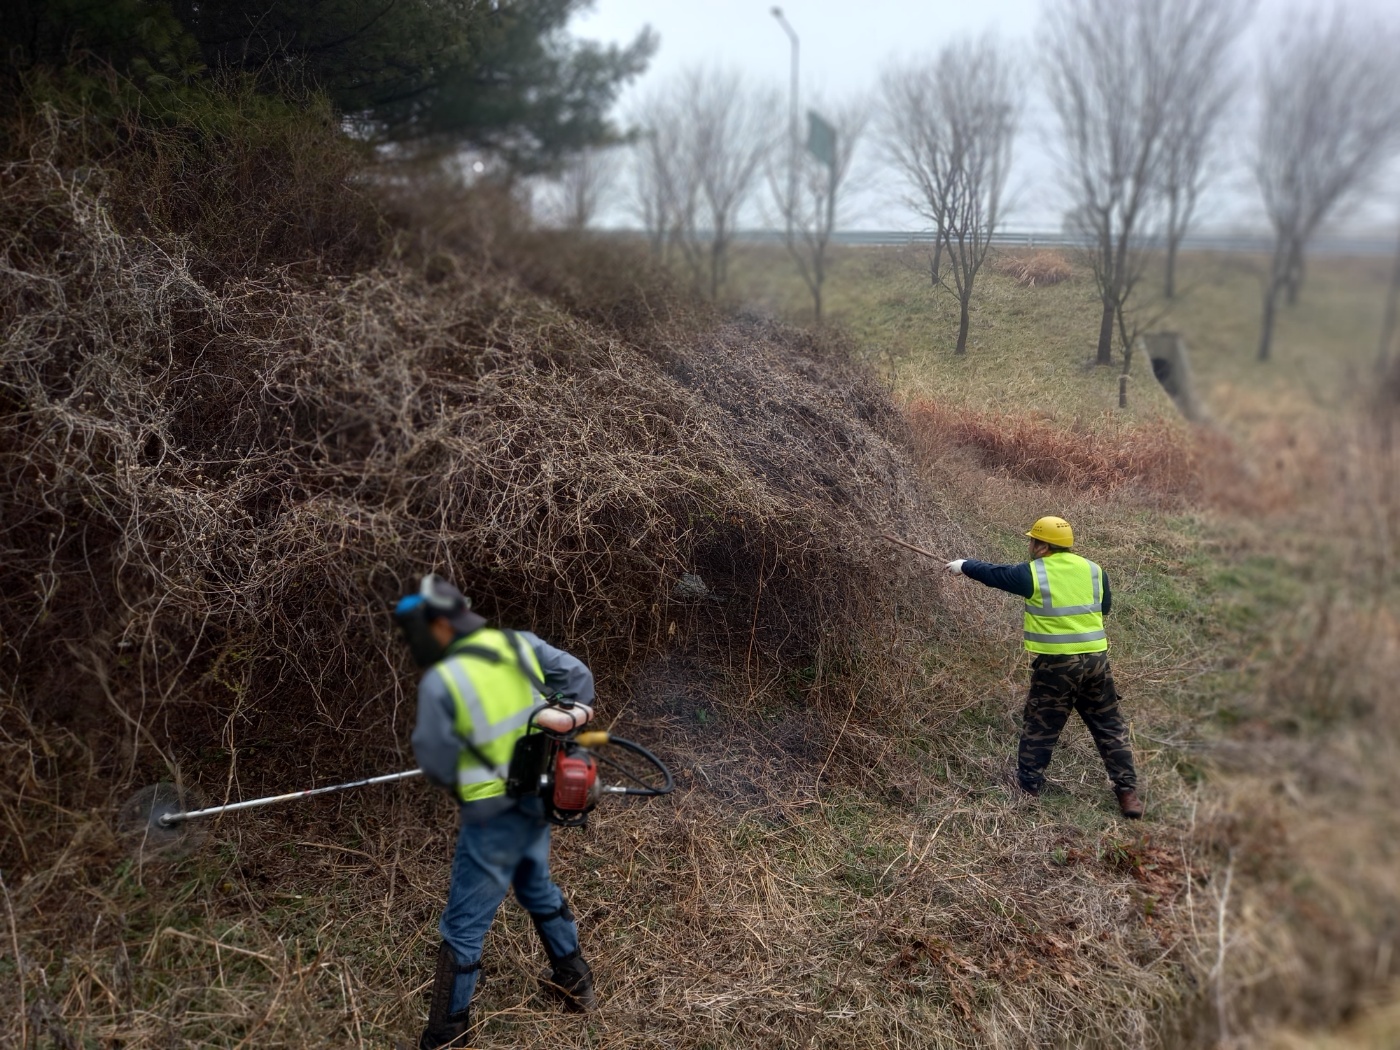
(139, 819)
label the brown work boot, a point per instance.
(1129, 803)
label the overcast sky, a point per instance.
(844, 46)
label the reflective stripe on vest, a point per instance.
(1047, 605)
(494, 699)
(1076, 626)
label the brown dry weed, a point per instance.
(1034, 269)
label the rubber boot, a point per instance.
(446, 1029)
(569, 981)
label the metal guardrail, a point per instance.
(1244, 242)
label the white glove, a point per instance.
(956, 566)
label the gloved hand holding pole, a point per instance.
(952, 566)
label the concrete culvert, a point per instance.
(1172, 369)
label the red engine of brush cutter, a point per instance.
(575, 782)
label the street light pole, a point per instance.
(792, 124)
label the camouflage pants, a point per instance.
(1080, 682)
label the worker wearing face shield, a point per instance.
(479, 688)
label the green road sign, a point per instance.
(821, 139)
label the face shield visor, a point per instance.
(411, 615)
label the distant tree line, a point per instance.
(1144, 93)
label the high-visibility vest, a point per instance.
(491, 676)
(1064, 613)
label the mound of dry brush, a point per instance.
(217, 482)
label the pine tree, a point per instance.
(501, 75)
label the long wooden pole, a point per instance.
(916, 550)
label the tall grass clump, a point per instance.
(1153, 457)
(1034, 269)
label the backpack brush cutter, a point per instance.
(560, 768)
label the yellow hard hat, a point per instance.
(1052, 530)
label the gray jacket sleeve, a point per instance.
(436, 744)
(563, 672)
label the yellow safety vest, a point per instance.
(1064, 613)
(490, 680)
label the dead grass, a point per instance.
(773, 902)
(1034, 269)
(1040, 450)
(1377, 1028)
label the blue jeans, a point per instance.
(509, 850)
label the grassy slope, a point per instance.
(1240, 627)
(1026, 343)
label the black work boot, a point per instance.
(569, 981)
(1015, 780)
(446, 1029)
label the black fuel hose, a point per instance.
(645, 790)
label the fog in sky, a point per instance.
(846, 44)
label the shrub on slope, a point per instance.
(215, 493)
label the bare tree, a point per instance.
(704, 141)
(821, 183)
(1113, 82)
(665, 187)
(582, 186)
(949, 127)
(1329, 122)
(734, 128)
(1204, 89)
(914, 140)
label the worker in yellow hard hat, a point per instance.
(1067, 598)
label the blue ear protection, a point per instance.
(411, 615)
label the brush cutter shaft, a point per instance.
(176, 818)
(170, 819)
